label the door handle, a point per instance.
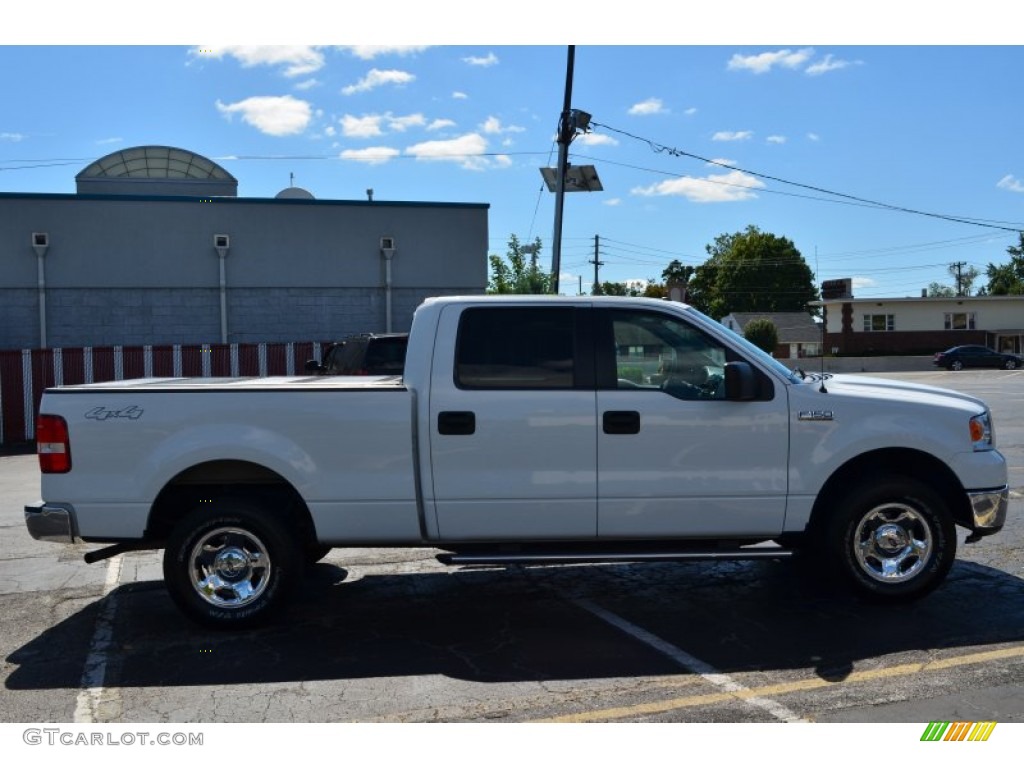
(621, 422)
(456, 422)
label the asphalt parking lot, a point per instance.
(394, 636)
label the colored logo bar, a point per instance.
(945, 731)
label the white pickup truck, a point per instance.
(524, 430)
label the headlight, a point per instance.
(982, 438)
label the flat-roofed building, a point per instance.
(157, 248)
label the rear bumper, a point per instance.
(988, 510)
(51, 522)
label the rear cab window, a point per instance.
(525, 347)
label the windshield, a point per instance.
(751, 350)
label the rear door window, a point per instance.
(516, 348)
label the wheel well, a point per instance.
(890, 461)
(205, 483)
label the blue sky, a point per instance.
(931, 128)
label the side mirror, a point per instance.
(740, 382)
(312, 366)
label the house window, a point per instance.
(959, 321)
(878, 323)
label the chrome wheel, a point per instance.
(232, 562)
(892, 537)
(956, 365)
(229, 567)
(893, 543)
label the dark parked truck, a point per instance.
(523, 430)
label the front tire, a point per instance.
(894, 539)
(1010, 364)
(232, 566)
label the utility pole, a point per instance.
(566, 132)
(958, 266)
(596, 261)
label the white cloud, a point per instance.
(296, 59)
(596, 139)
(613, 201)
(813, 137)
(375, 78)
(468, 151)
(721, 161)
(715, 188)
(368, 126)
(1011, 183)
(370, 155)
(273, 115)
(437, 125)
(111, 140)
(493, 125)
(776, 139)
(369, 52)
(765, 62)
(363, 127)
(863, 282)
(733, 136)
(12, 136)
(305, 85)
(651, 106)
(482, 61)
(459, 95)
(828, 64)
(329, 130)
(691, 111)
(405, 122)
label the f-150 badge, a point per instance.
(815, 416)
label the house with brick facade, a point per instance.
(921, 326)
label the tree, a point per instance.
(752, 271)
(1008, 279)
(677, 272)
(762, 333)
(940, 291)
(964, 278)
(611, 289)
(519, 271)
(674, 274)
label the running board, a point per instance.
(553, 557)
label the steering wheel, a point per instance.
(681, 389)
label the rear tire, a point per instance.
(231, 566)
(1010, 365)
(894, 539)
(956, 365)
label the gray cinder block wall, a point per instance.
(138, 269)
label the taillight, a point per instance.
(52, 444)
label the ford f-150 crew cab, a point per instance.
(524, 430)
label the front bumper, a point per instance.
(51, 522)
(988, 510)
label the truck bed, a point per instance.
(345, 444)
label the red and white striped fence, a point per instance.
(24, 374)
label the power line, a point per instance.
(674, 152)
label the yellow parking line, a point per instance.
(900, 670)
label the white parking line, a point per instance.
(691, 663)
(92, 696)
